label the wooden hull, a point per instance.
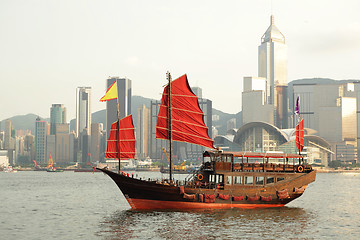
(142, 194)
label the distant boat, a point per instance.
(50, 166)
(224, 180)
(38, 167)
(9, 169)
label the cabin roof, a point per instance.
(253, 154)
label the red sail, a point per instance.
(187, 118)
(300, 135)
(127, 139)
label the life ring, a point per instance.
(300, 169)
(200, 177)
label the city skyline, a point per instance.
(213, 43)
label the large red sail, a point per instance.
(127, 139)
(186, 116)
(300, 135)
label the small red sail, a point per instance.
(300, 135)
(186, 117)
(127, 139)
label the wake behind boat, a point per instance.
(224, 180)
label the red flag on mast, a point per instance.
(300, 135)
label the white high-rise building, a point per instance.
(83, 110)
(268, 91)
(272, 61)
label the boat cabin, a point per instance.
(230, 169)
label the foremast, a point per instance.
(169, 112)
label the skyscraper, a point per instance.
(57, 116)
(41, 131)
(96, 129)
(8, 134)
(124, 99)
(83, 110)
(272, 59)
(272, 66)
(143, 132)
(62, 140)
(265, 97)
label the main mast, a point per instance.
(168, 76)
(118, 128)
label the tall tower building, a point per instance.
(41, 131)
(124, 99)
(8, 134)
(57, 116)
(96, 129)
(62, 140)
(83, 110)
(265, 97)
(272, 65)
(143, 132)
(272, 59)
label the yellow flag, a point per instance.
(110, 94)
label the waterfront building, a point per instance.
(7, 138)
(50, 147)
(85, 144)
(62, 140)
(143, 132)
(57, 116)
(19, 146)
(2, 137)
(329, 107)
(96, 129)
(156, 145)
(265, 137)
(83, 110)
(197, 91)
(42, 129)
(73, 147)
(254, 105)
(231, 124)
(29, 146)
(124, 100)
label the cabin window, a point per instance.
(279, 179)
(221, 179)
(249, 180)
(270, 180)
(228, 180)
(216, 178)
(237, 179)
(259, 180)
(212, 178)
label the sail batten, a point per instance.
(127, 139)
(187, 119)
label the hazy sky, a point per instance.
(48, 48)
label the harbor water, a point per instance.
(69, 205)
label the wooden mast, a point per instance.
(118, 128)
(168, 75)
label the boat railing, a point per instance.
(265, 167)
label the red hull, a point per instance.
(144, 204)
(142, 194)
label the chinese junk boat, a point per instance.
(225, 179)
